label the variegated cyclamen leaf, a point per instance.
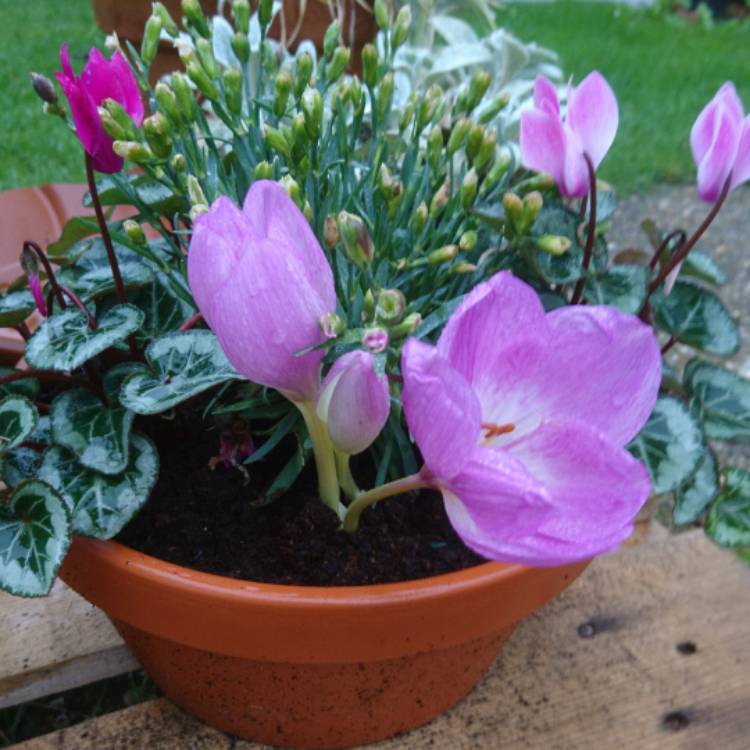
(182, 365)
(101, 505)
(164, 310)
(65, 341)
(15, 307)
(34, 537)
(98, 435)
(20, 464)
(728, 521)
(28, 387)
(18, 417)
(670, 445)
(694, 496)
(96, 281)
(702, 266)
(624, 286)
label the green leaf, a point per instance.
(694, 496)
(670, 444)
(722, 397)
(20, 464)
(696, 317)
(28, 387)
(34, 537)
(65, 341)
(18, 417)
(102, 505)
(15, 307)
(702, 266)
(97, 435)
(182, 365)
(164, 311)
(88, 282)
(561, 269)
(74, 231)
(728, 522)
(113, 191)
(286, 477)
(623, 286)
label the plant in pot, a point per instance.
(318, 444)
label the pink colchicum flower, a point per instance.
(354, 402)
(262, 282)
(559, 146)
(521, 417)
(720, 142)
(100, 79)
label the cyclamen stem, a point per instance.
(591, 236)
(191, 321)
(682, 253)
(107, 239)
(325, 462)
(365, 499)
(44, 260)
(78, 302)
(679, 235)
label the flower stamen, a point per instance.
(494, 430)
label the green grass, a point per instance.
(36, 148)
(662, 71)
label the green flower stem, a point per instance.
(365, 499)
(325, 461)
(346, 480)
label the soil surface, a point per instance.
(206, 519)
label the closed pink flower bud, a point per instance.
(35, 285)
(559, 146)
(262, 282)
(354, 401)
(720, 141)
(100, 79)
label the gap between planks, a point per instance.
(626, 685)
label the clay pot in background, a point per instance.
(308, 666)
(128, 18)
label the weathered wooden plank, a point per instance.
(53, 644)
(607, 665)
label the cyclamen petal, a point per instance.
(257, 295)
(741, 171)
(545, 96)
(716, 165)
(100, 79)
(354, 402)
(593, 116)
(543, 143)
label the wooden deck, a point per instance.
(649, 649)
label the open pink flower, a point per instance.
(354, 402)
(720, 141)
(557, 146)
(262, 282)
(522, 417)
(100, 79)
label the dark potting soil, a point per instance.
(206, 519)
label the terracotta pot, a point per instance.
(309, 667)
(128, 18)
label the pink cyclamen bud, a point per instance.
(35, 285)
(263, 284)
(100, 79)
(354, 402)
(559, 146)
(720, 142)
(375, 339)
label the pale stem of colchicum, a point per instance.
(325, 462)
(365, 499)
(346, 480)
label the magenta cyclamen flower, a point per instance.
(262, 282)
(521, 417)
(100, 79)
(354, 402)
(720, 141)
(35, 285)
(559, 146)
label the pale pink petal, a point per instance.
(542, 142)
(741, 171)
(440, 408)
(263, 314)
(495, 506)
(716, 165)
(576, 181)
(545, 96)
(593, 115)
(271, 213)
(354, 402)
(492, 316)
(595, 489)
